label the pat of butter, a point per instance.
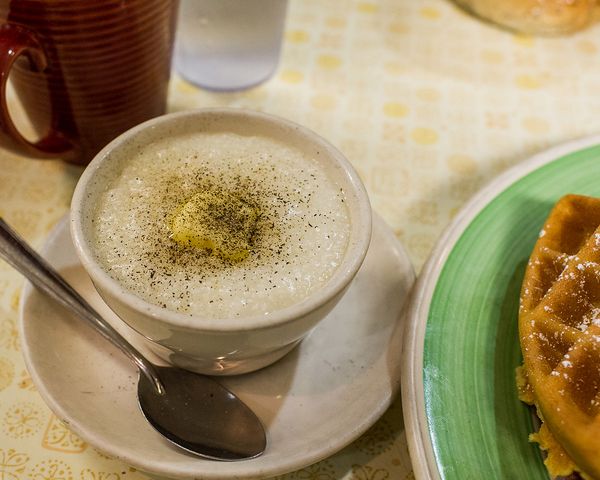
(217, 221)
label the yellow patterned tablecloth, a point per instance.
(427, 102)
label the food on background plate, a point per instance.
(537, 17)
(559, 330)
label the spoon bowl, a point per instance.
(192, 411)
(231, 432)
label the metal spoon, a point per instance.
(192, 411)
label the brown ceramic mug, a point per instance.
(84, 70)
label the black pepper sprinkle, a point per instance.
(163, 258)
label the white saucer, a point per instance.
(313, 402)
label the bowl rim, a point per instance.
(358, 241)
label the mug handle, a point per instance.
(16, 40)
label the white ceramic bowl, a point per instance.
(208, 345)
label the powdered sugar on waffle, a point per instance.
(592, 318)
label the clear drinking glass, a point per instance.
(229, 44)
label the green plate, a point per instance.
(463, 417)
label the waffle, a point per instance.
(559, 329)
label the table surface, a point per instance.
(427, 102)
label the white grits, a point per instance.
(300, 240)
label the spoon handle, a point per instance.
(24, 259)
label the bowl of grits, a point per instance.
(222, 236)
